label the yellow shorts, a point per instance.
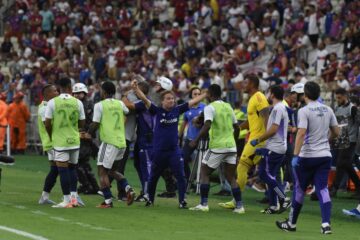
(248, 156)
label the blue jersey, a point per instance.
(193, 112)
(145, 126)
(166, 126)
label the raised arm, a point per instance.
(196, 100)
(140, 94)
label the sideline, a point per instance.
(22, 233)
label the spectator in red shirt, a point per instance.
(180, 11)
(35, 20)
(121, 56)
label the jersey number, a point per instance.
(117, 121)
(65, 119)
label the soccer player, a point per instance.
(312, 157)
(145, 123)
(346, 115)
(109, 117)
(166, 151)
(87, 180)
(64, 118)
(274, 152)
(258, 113)
(220, 122)
(49, 92)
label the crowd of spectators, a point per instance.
(191, 42)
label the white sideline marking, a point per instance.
(38, 212)
(59, 219)
(22, 233)
(20, 207)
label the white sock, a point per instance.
(325, 224)
(358, 208)
(108, 201)
(45, 195)
(67, 198)
(274, 207)
(73, 194)
(127, 188)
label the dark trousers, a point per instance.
(344, 165)
(161, 161)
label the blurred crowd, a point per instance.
(190, 42)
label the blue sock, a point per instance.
(294, 212)
(237, 196)
(204, 193)
(64, 180)
(107, 193)
(73, 178)
(123, 183)
(50, 179)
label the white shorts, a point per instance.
(213, 160)
(51, 154)
(108, 154)
(71, 156)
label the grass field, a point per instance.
(21, 187)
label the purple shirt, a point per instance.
(166, 126)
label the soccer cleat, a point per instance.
(269, 210)
(285, 226)
(240, 210)
(44, 201)
(63, 204)
(326, 230)
(353, 212)
(80, 201)
(149, 204)
(74, 202)
(227, 205)
(130, 196)
(6, 160)
(105, 205)
(200, 207)
(140, 198)
(183, 205)
(284, 206)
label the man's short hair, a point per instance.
(166, 92)
(65, 82)
(312, 90)
(144, 87)
(254, 80)
(215, 90)
(341, 91)
(47, 86)
(277, 91)
(109, 88)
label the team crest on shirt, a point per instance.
(163, 114)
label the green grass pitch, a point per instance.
(22, 183)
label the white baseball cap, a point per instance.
(79, 87)
(165, 83)
(298, 88)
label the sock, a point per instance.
(358, 208)
(64, 180)
(67, 198)
(50, 179)
(107, 193)
(237, 197)
(108, 201)
(294, 212)
(73, 178)
(73, 194)
(124, 184)
(325, 224)
(325, 211)
(45, 195)
(204, 193)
